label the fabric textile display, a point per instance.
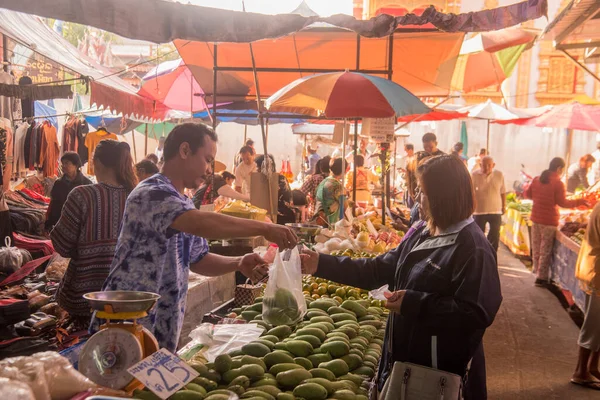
(40, 148)
(74, 136)
(36, 92)
(91, 141)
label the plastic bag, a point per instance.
(15, 390)
(377, 294)
(283, 301)
(28, 371)
(11, 258)
(219, 339)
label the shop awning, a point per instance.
(162, 21)
(108, 91)
(423, 63)
(577, 27)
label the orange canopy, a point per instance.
(423, 63)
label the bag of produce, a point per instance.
(283, 301)
(11, 258)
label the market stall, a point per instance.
(515, 232)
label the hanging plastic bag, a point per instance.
(283, 301)
(11, 258)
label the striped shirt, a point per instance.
(87, 232)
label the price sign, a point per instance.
(380, 130)
(163, 373)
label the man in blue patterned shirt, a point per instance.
(162, 234)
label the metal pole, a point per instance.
(487, 144)
(134, 150)
(579, 65)
(344, 170)
(146, 141)
(214, 118)
(355, 150)
(569, 148)
(385, 196)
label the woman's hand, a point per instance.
(394, 300)
(310, 261)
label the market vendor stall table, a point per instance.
(564, 262)
(205, 294)
(515, 232)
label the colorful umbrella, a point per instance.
(346, 95)
(488, 111)
(172, 83)
(488, 58)
(572, 115)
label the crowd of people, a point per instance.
(136, 229)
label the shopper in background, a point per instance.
(364, 178)
(474, 163)
(89, 226)
(152, 158)
(145, 169)
(313, 158)
(327, 207)
(311, 182)
(410, 174)
(430, 144)
(446, 293)
(160, 148)
(72, 177)
(548, 194)
(238, 157)
(162, 235)
(490, 199)
(587, 272)
(244, 170)
(457, 151)
(577, 173)
(220, 185)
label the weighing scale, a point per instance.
(121, 342)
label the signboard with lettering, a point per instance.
(380, 130)
(163, 373)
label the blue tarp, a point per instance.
(41, 110)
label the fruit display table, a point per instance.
(515, 232)
(564, 261)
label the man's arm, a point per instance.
(212, 225)
(251, 265)
(238, 179)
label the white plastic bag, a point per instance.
(11, 258)
(221, 339)
(377, 294)
(283, 301)
(15, 390)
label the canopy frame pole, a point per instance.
(134, 149)
(146, 140)
(342, 197)
(487, 143)
(569, 148)
(266, 159)
(580, 65)
(385, 194)
(355, 147)
(214, 118)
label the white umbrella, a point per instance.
(488, 111)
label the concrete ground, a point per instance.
(531, 348)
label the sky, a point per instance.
(324, 8)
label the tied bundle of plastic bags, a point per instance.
(11, 258)
(283, 301)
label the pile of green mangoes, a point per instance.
(332, 354)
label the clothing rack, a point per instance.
(49, 116)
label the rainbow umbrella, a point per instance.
(488, 58)
(346, 95)
(172, 84)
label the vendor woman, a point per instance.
(162, 235)
(219, 185)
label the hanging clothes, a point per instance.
(6, 152)
(10, 107)
(74, 134)
(91, 141)
(27, 102)
(19, 166)
(49, 150)
(27, 145)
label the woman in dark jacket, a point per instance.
(443, 277)
(72, 177)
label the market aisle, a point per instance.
(531, 348)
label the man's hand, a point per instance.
(281, 235)
(394, 300)
(310, 261)
(253, 267)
